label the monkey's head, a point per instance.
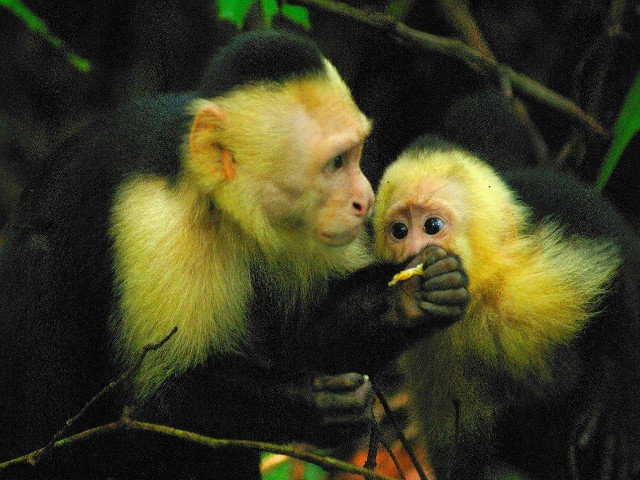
(276, 141)
(444, 196)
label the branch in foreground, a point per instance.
(126, 423)
(458, 49)
(36, 457)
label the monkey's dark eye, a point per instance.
(433, 225)
(399, 230)
(336, 163)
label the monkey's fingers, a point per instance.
(428, 256)
(353, 417)
(337, 404)
(449, 263)
(455, 297)
(452, 311)
(446, 281)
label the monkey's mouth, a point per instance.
(339, 239)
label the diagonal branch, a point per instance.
(399, 433)
(126, 423)
(458, 49)
(459, 17)
(33, 459)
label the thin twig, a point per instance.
(111, 386)
(456, 48)
(459, 17)
(328, 463)
(602, 50)
(392, 455)
(126, 423)
(399, 432)
(374, 437)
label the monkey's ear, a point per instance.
(208, 157)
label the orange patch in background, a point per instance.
(386, 466)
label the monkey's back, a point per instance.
(56, 293)
(609, 347)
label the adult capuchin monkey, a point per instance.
(235, 214)
(542, 372)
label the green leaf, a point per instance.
(21, 11)
(37, 25)
(80, 63)
(234, 10)
(269, 10)
(297, 14)
(627, 124)
(283, 472)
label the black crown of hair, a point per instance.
(256, 57)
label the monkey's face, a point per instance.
(446, 198)
(319, 187)
(284, 160)
(423, 213)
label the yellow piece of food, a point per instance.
(406, 274)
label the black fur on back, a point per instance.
(264, 56)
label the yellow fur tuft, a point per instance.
(533, 289)
(157, 233)
(177, 264)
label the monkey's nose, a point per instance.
(359, 209)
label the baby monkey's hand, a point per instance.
(433, 289)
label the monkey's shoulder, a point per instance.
(569, 201)
(143, 137)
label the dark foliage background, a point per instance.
(146, 47)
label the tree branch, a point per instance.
(33, 459)
(126, 423)
(459, 17)
(456, 48)
(602, 53)
(399, 433)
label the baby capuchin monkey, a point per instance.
(542, 371)
(235, 213)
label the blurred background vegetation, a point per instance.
(66, 63)
(93, 55)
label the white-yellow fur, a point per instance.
(532, 287)
(183, 251)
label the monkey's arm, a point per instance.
(248, 401)
(365, 323)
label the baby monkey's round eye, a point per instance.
(433, 225)
(399, 230)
